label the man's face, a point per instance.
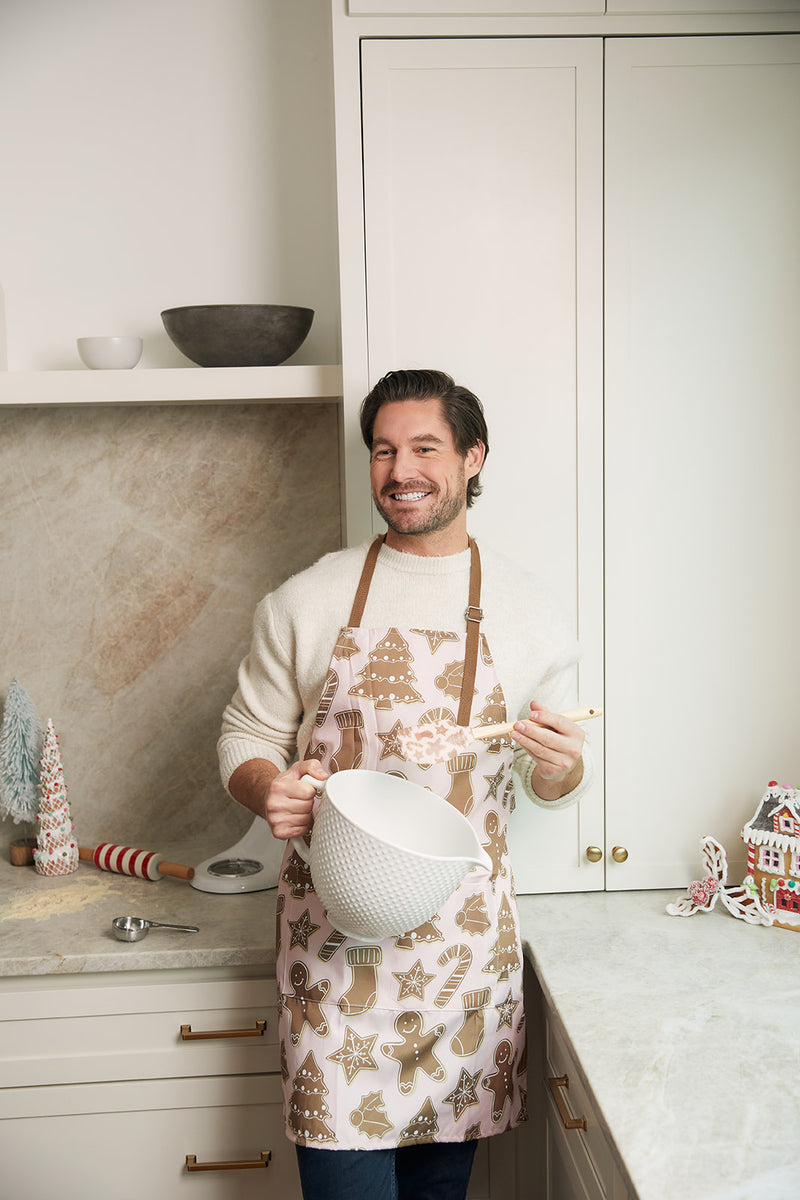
(419, 480)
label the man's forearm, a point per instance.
(250, 783)
(553, 790)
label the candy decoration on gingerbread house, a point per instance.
(772, 836)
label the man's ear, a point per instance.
(473, 459)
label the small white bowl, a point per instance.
(110, 353)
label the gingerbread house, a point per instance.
(772, 836)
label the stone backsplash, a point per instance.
(135, 542)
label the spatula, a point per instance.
(440, 740)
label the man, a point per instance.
(401, 1054)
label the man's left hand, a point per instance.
(555, 744)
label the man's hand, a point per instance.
(555, 744)
(278, 796)
(290, 799)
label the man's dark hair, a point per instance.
(461, 409)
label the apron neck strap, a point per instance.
(362, 591)
(474, 616)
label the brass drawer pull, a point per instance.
(556, 1083)
(258, 1030)
(246, 1164)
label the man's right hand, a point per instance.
(290, 799)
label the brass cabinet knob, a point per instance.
(619, 854)
(594, 853)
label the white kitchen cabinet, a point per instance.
(483, 251)
(567, 1153)
(430, 8)
(104, 1087)
(483, 201)
(702, 425)
(697, 7)
(112, 1082)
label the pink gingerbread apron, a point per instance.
(420, 1037)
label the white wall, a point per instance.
(160, 153)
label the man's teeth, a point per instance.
(408, 495)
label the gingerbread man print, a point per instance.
(496, 845)
(304, 1005)
(501, 1082)
(415, 1051)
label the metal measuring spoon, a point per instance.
(132, 929)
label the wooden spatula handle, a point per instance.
(572, 714)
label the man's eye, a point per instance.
(381, 454)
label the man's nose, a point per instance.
(404, 466)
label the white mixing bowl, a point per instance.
(385, 853)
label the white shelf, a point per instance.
(175, 385)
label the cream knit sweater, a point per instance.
(295, 629)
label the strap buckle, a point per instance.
(470, 610)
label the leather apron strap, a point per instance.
(473, 614)
(362, 591)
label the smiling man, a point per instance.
(420, 467)
(399, 1055)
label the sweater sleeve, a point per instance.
(555, 689)
(262, 719)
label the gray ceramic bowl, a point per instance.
(238, 335)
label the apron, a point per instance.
(419, 1037)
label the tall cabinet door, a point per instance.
(702, 438)
(483, 224)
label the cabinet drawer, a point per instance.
(132, 1139)
(589, 1147)
(136, 1033)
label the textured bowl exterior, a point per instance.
(371, 890)
(238, 335)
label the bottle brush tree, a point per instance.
(20, 751)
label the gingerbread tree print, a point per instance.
(387, 678)
(422, 1127)
(307, 1108)
(57, 852)
(504, 957)
(298, 875)
(494, 713)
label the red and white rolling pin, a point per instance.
(124, 860)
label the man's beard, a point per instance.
(442, 513)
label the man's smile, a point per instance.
(408, 497)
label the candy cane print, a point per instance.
(464, 956)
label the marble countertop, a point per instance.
(685, 1028)
(62, 926)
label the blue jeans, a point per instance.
(433, 1171)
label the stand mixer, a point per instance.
(251, 865)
